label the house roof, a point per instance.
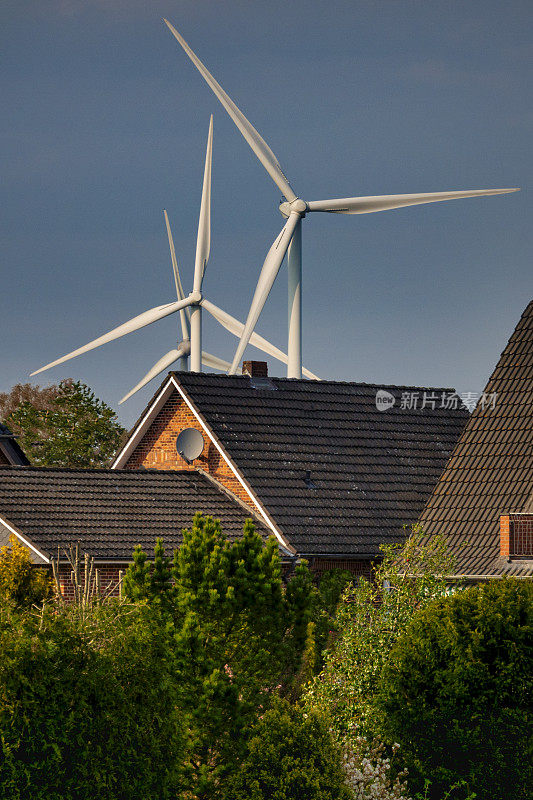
(336, 475)
(10, 448)
(490, 472)
(110, 511)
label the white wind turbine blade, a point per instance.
(234, 326)
(146, 318)
(256, 142)
(267, 277)
(203, 240)
(369, 205)
(160, 366)
(213, 361)
(177, 280)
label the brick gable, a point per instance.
(157, 449)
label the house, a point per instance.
(483, 501)
(333, 469)
(330, 469)
(10, 451)
(108, 512)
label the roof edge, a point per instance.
(23, 539)
(240, 502)
(145, 419)
(269, 521)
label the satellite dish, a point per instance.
(189, 444)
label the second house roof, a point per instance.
(335, 474)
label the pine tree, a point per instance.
(137, 583)
(161, 588)
(239, 636)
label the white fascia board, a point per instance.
(23, 539)
(137, 434)
(150, 415)
(281, 539)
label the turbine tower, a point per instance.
(190, 307)
(294, 209)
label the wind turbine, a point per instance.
(295, 209)
(190, 307)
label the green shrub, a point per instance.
(291, 756)
(369, 619)
(87, 706)
(21, 584)
(456, 692)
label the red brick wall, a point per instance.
(504, 535)
(108, 575)
(516, 535)
(157, 448)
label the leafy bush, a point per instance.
(87, 706)
(368, 770)
(20, 583)
(290, 756)
(457, 689)
(369, 620)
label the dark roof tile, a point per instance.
(490, 472)
(110, 511)
(371, 470)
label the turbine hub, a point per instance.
(299, 206)
(195, 297)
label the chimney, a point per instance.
(255, 369)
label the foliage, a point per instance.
(368, 770)
(238, 636)
(87, 705)
(457, 690)
(63, 426)
(20, 583)
(23, 393)
(291, 755)
(370, 618)
(137, 582)
(326, 600)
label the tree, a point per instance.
(457, 691)
(290, 756)
(369, 620)
(88, 705)
(22, 393)
(239, 637)
(62, 426)
(20, 583)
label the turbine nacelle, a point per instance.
(293, 208)
(297, 206)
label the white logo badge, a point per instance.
(384, 400)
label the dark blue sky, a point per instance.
(104, 122)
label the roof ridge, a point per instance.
(199, 376)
